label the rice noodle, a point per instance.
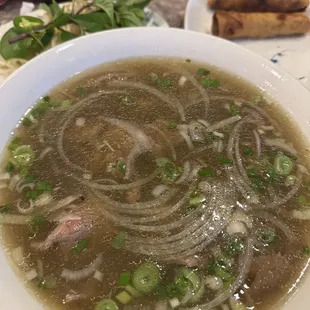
(244, 264)
(258, 143)
(183, 129)
(173, 103)
(204, 122)
(62, 203)
(167, 141)
(40, 269)
(77, 275)
(14, 180)
(186, 171)
(159, 190)
(45, 152)
(223, 123)
(279, 144)
(15, 219)
(43, 200)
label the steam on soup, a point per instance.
(156, 184)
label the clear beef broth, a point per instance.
(164, 163)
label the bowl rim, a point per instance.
(172, 33)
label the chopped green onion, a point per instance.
(36, 222)
(221, 269)
(146, 277)
(272, 175)
(119, 240)
(23, 171)
(153, 76)
(172, 124)
(224, 160)
(32, 194)
(170, 171)
(44, 187)
(123, 297)
(79, 247)
(24, 155)
(81, 91)
(6, 208)
(127, 100)
(202, 71)
(234, 110)
(251, 172)
(268, 236)
(188, 60)
(248, 151)
(306, 251)
(134, 293)
(29, 179)
(302, 200)
(205, 172)
(10, 167)
(196, 198)
(235, 246)
(209, 83)
(283, 165)
(121, 166)
(15, 143)
(106, 304)
(164, 83)
(124, 278)
(27, 121)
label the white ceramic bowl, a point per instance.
(38, 76)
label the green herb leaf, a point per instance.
(119, 241)
(46, 8)
(202, 72)
(205, 172)
(251, 172)
(66, 35)
(108, 7)
(209, 83)
(128, 18)
(124, 278)
(224, 160)
(79, 247)
(172, 124)
(10, 167)
(60, 21)
(15, 143)
(8, 208)
(248, 151)
(44, 187)
(234, 110)
(92, 22)
(24, 49)
(29, 179)
(48, 36)
(55, 9)
(81, 91)
(32, 194)
(26, 23)
(141, 4)
(306, 251)
(121, 166)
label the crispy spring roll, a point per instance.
(259, 5)
(231, 25)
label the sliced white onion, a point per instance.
(76, 275)
(223, 123)
(174, 302)
(43, 200)
(237, 228)
(184, 133)
(18, 256)
(31, 275)
(302, 214)
(5, 176)
(159, 189)
(98, 276)
(25, 210)
(80, 122)
(214, 283)
(182, 80)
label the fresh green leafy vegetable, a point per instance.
(206, 172)
(29, 179)
(124, 278)
(169, 170)
(6, 208)
(210, 83)
(15, 143)
(248, 151)
(119, 240)
(30, 35)
(32, 194)
(79, 247)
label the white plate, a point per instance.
(152, 20)
(290, 53)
